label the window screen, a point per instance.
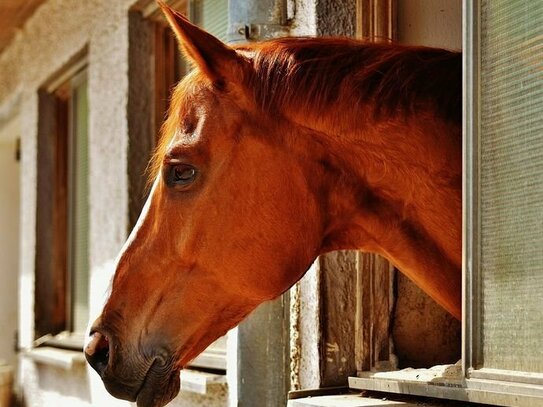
(511, 185)
(79, 205)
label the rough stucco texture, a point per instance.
(59, 31)
(336, 17)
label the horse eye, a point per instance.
(184, 173)
(181, 175)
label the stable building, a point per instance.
(84, 87)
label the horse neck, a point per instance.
(393, 187)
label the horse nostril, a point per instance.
(97, 352)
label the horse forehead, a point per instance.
(195, 89)
(189, 112)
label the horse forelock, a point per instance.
(314, 74)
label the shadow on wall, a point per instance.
(437, 338)
(72, 384)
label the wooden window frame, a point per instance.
(53, 307)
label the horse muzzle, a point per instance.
(150, 381)
(97, 351)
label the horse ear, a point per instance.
(215, 59)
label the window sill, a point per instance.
(448, 382)
(201, 382)
(62, 358)
(210, 359)
(349, 400)
(191, 380)
(64, 340)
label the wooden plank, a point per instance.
(375, 298)
(50, 309)
(338, 296)
(13, 15)
(377, 19)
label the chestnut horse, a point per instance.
(271, 155)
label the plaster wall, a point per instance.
(47, 43)
(434, 23)
(9, 243)
(305, 21)
(57, 32)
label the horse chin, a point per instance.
(158, 388)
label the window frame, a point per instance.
(471, 224)
(54, 291)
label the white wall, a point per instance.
(9, 243)
(434, 23)
(58, 31)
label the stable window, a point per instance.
(62, 224)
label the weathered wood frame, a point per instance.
(52, 307)
(376, 19)
(153, 68)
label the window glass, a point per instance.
(79, 207)
(62, 221)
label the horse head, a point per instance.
(272, 154)
(231, 221)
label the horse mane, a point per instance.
(315, 73)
